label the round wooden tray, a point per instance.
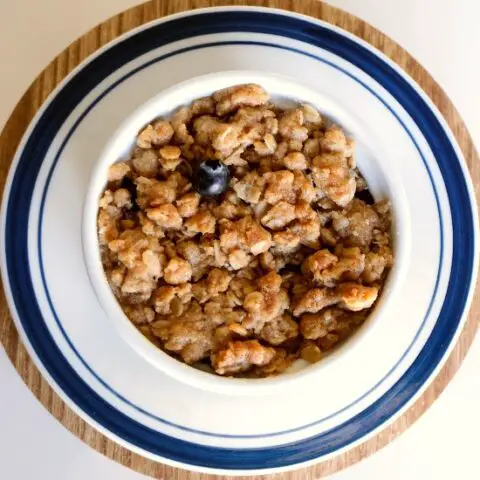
(104, 33)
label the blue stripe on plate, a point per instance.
(121, 425)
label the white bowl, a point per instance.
(380, 175)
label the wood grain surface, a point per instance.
(82, 48)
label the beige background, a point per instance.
(444, 36)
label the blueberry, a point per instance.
(211, 178)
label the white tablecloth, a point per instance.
(445, 37)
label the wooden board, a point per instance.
(106, 32)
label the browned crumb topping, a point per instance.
(285, 264)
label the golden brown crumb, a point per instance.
(201, 222)
(311, 148)
(158, 134)
(250, 187)
(117, 171)
(311, 114)
(334, 140)
(146, 163)
(295, 161)
(318, 325)
(317, 262)
(267, 146)
(240, 356)
(279, 186)
(217, 281)
(177, 271)
(375, 264)
(187, 205)
(328, 269)
(232, 97)
(169, 157)
(356, 297)
(269, 302)
(166, 216)
(356, 224)
(279, 329)
(279, 216)
(315, 300)
(290, 125)
(152, 193)
(333, 177)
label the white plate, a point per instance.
(108, 383)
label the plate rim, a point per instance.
(121, 38)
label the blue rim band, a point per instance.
(169, 447)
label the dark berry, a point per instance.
(211, 178)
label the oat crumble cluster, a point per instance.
(285, 264)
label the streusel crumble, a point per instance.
(240, 236)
